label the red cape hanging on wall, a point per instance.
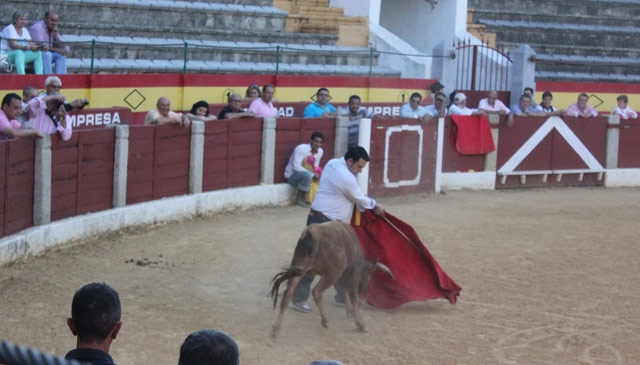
(417, 275)
(471, 134)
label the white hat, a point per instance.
(459, 98)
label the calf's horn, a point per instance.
(384, 268)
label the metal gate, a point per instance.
(480, 67)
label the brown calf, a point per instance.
(332, 251)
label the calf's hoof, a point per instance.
(349, 314)
(325, 323)
(362, 328)
(275, 332)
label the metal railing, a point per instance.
(480, 67)
(279, 51)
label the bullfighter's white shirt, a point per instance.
(299, 154)
(338, 191)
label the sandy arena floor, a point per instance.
(548, 277)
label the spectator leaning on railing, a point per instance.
(162, 114)
(524, 108)
(50, 116)
(581, 108)
(623, 110)
(263, 107)
(234, 109)
(529, 91)
(253, 93)
(28, 93)
(9, 126)
(199, 111)
(16, 43)
(546, 106)
(413, 109)
(45, 33)
(492, 105)
(354, 112)
(459, 106)
(439, 106)
(321, 107)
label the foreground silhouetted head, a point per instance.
(209, 347)
(95, 312)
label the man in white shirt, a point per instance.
(413, 109)
(338, 191)
(296, 174)
(459, 106)
(162, 114)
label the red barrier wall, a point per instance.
(158, 162)
(232, 154)
(16, 185)
(629, 153)
(82, 173)
(553, 152)
(291, 132)
(403, 162)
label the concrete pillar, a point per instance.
(439, 155)
(197, 157)
(613, 141)
(120, 165)
(42, 182)
(342, 137)
(443, 67)
(267, 169)
(364, 140)
(522, 71)
(491, 158)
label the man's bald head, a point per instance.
(164, 105)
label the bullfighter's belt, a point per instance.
(318, 214)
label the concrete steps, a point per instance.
(222, 36)
(219, 51)
(150, 31)
(623, 9)
(563, 33)
(315, 16)
(572, 38)
(169, 14)
(82, 65)
(514, 14)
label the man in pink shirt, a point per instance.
(50, 115)
(263, 108)
(491, 104)
(581, 108)
(9, 126)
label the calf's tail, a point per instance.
(281, 277)
(304, 254)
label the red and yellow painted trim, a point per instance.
(602, 96)
(141, 91)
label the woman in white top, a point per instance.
(16, 43)
(623, 109)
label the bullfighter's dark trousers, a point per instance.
(303, 290)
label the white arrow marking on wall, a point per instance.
(540, 134)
